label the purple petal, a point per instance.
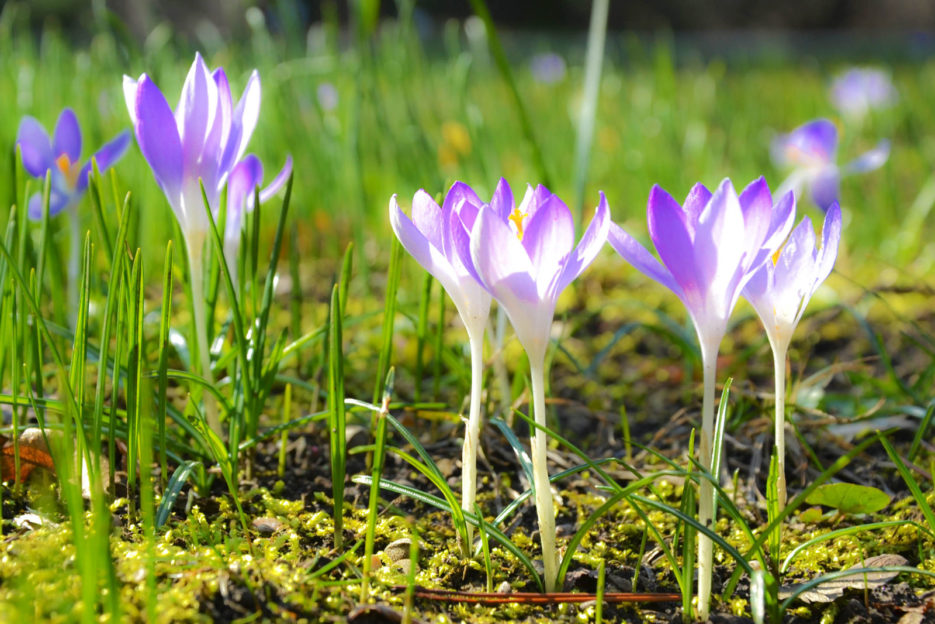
(426, 254)
(670, 236)
(637, 255)
(868, 161)
(811, 144)
(243, 122)
(158, 136)
(225, 104)
(758, 286)
(278, 181)
(428, 217)
(831, 239)
(105, 157)
(129, 96)
(245, 177)
(500, 260)
(548, 238)
(460, 256)
(717, 264)
(502, 200)
(196, 113)
(757, 206)
(57, 203)
(461, 199)
(67, 137)
(825, 187)
(781, 222)
(697, 199)
(588, 247)
(33, 142)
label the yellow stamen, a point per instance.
(517, 218)
(776, 256)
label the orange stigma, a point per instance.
(69, 169)
(517, 218)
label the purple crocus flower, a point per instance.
(525, 256)
(200, 143)
(61, 156)
(860, 90)
(779, 291)
(428, 238)
(811, 152)
(202, 140)
(709, 248)
(547, 68)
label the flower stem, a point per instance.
(779, 369)
(74, 265)
(472, 429)
(195, 246)
(540, 473)
(706, 493)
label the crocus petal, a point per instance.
(781, 222)
(33, 142)
(460, 255)
(225, 105)
(427, 216)
(243, 121)
(104, 157)
(643, 261)
(245, 177)
(831, 239)
(502, 200)
(697, 199)
(129, 96)
(67, 137)
(757, 206)
(461, 199)
(870, 160)
(588, 247)
(500, 260)
(196, 113)
(278, 181)
(57, 203)
(717, 263)
(811, 144)
(670, 236)
(158, 137)
(548, 238)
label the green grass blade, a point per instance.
(336, 415)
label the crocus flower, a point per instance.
(779, 291)
(547, 68)
(709, 248)
(525, 256)
(861, 89)
(62, 157)
(428, 238)
(811, 152)
(198, 144)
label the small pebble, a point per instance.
(267, 526)
(398, 550)
(504, 588)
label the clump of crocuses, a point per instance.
(524, 256)
(709, 248)
(199, 145)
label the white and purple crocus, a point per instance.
(709, 247)
(525, 256)
(810, 152)
(860, 90)
(428, 238)
(201, 143)
(60, 159)
(779, 291)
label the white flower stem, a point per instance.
(779, 369)
(195, 246)
(472, 428)
(706, 491)
(540, 473)
(74, 265)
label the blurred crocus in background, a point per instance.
(779, 291)
(547, 68)
(525, 257)
(428, 238)
(60, 158)
(709, 247)
(860, 90)
(810, 153)
(200, 143)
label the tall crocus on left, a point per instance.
(198, 144)
(428, 238)
(60, 158)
